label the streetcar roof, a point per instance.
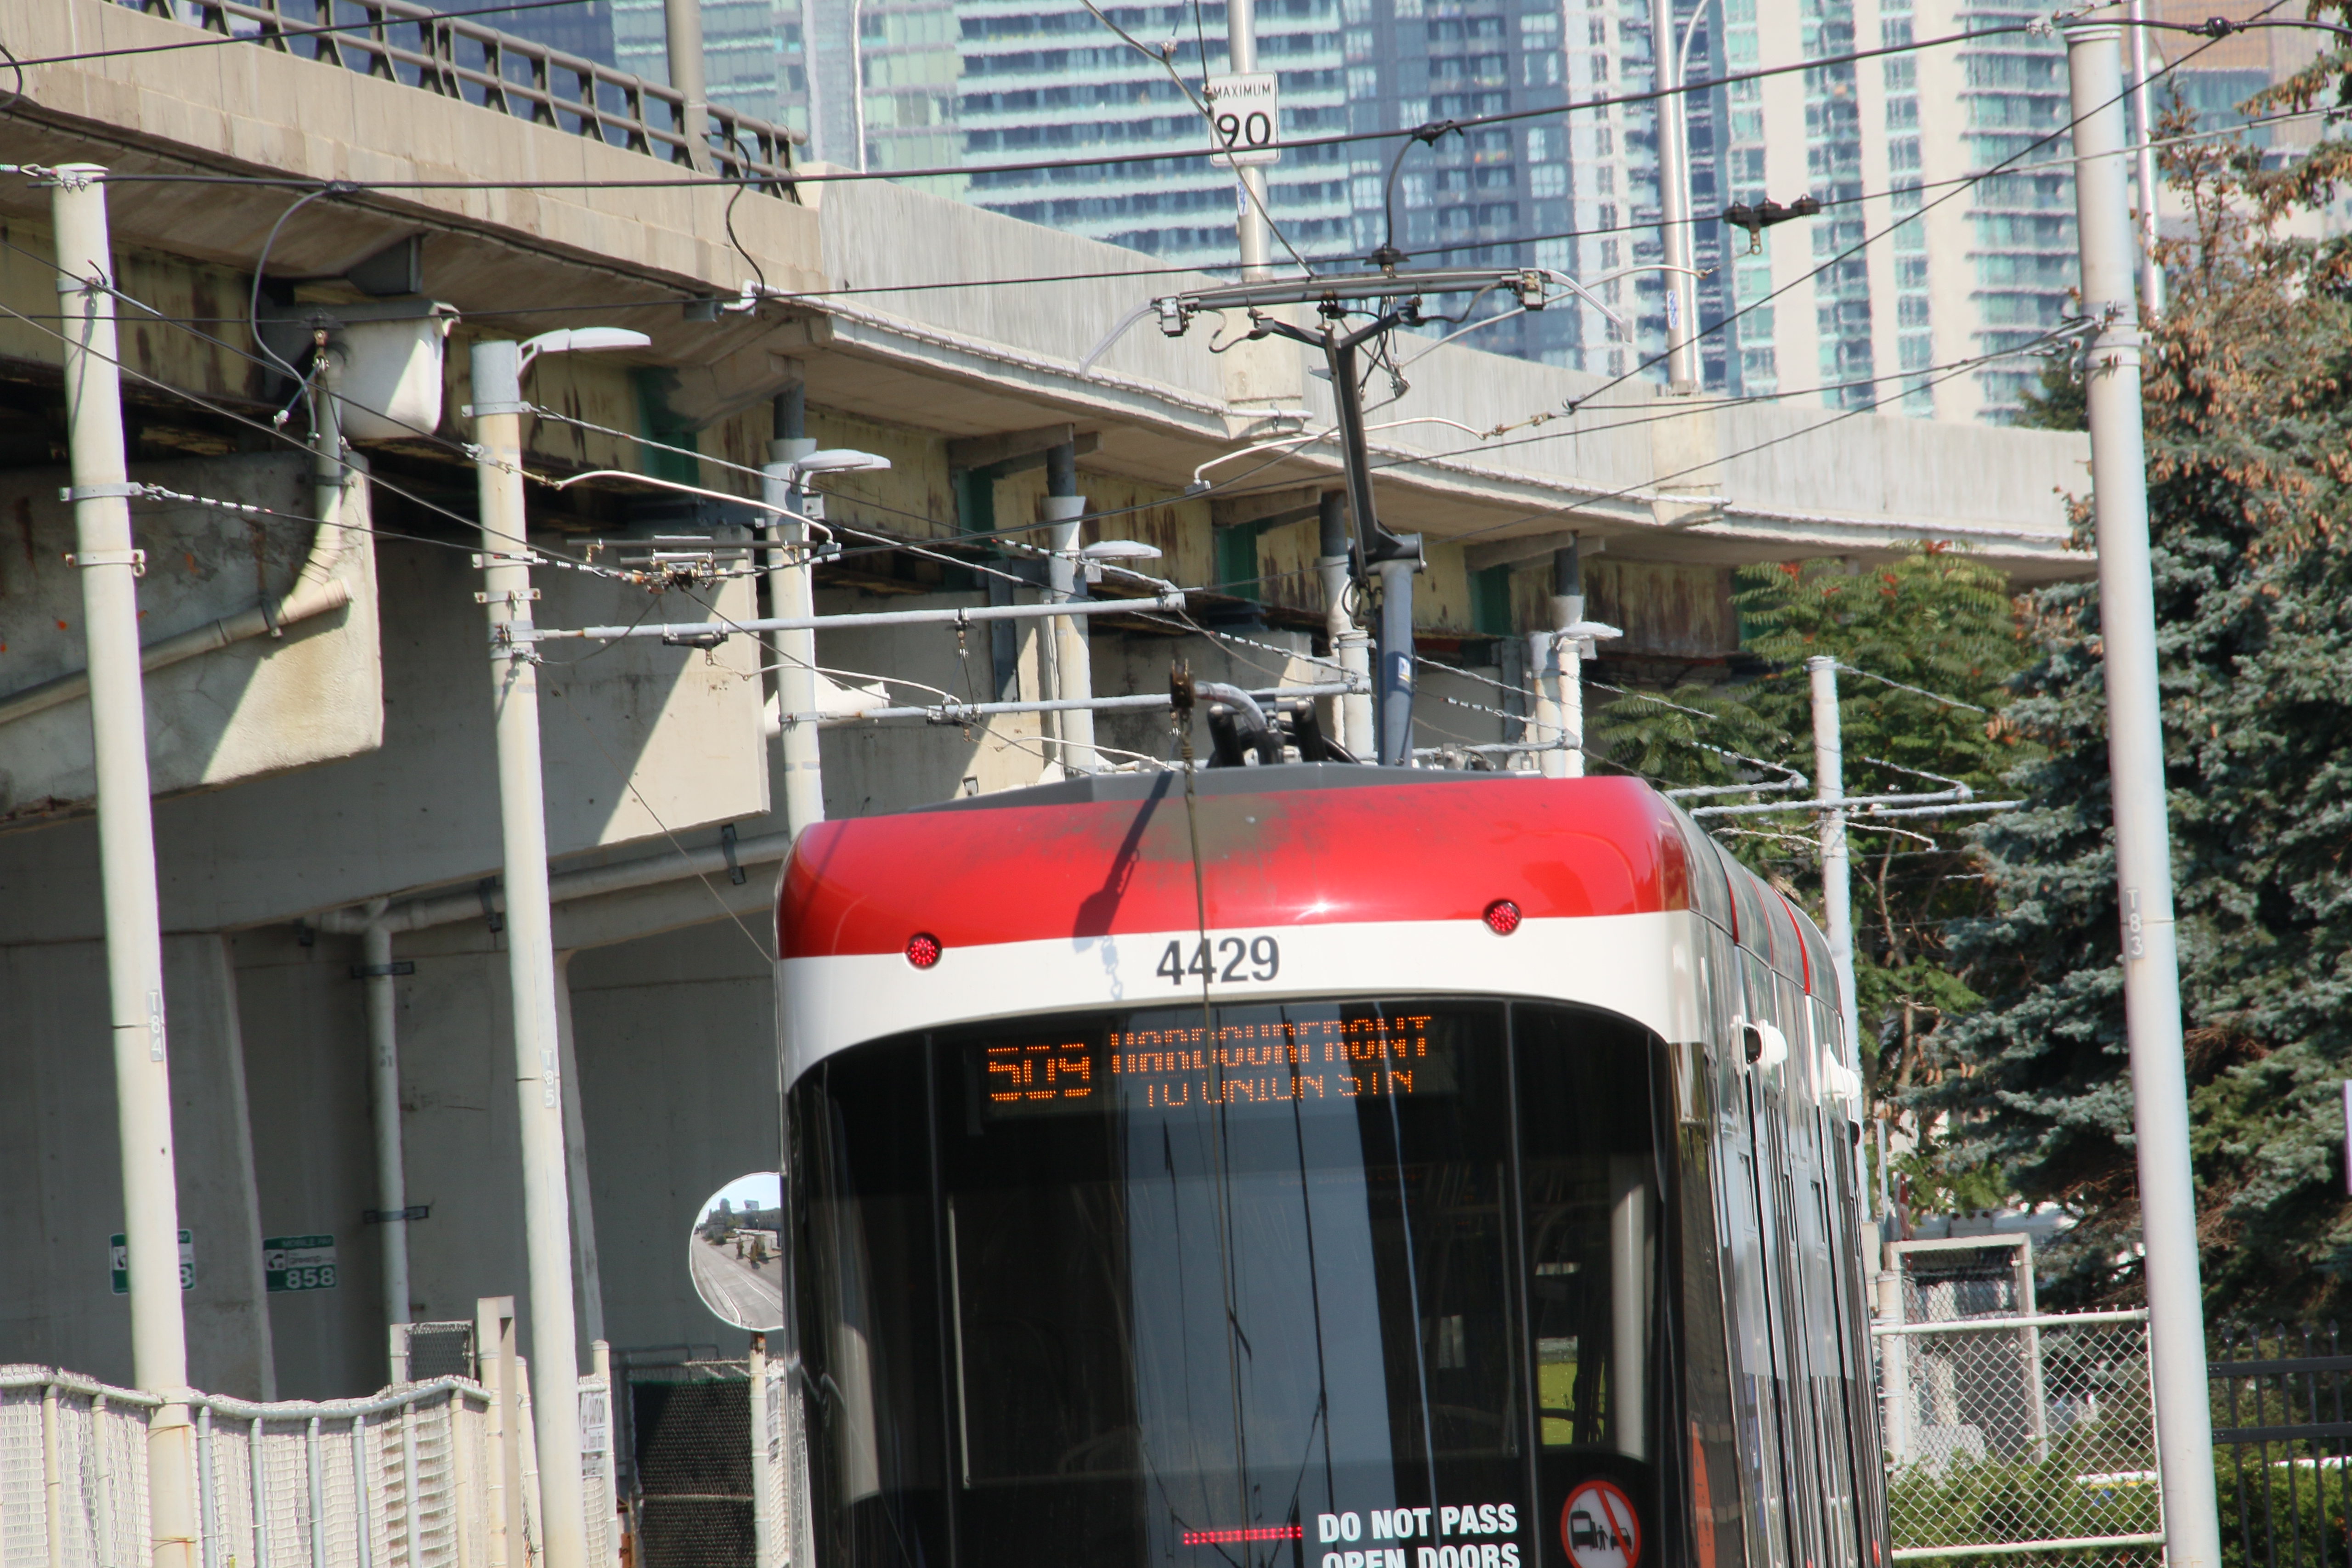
(1336, 878)
(1285, 845)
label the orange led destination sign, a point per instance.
(1308, 1059)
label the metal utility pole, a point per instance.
(1837, 890)
(790, 594)
(2151, 272)
(682, 32)
(507, 596)
(2136, 764)
(109, 568)
(1072, 652)
(383, 1086)
(1674, 202)
(1566, 663)
(1351, 646)
(1241, 51)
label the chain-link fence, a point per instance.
(405, 1479)
(718, 1460)
(2022, 1434)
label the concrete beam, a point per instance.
(1488, 553)
(1018, 450)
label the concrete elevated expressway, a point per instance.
(301, 777)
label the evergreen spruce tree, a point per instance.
(2249, 423)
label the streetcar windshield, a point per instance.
(1376, 1281)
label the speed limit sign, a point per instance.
(1244, 118)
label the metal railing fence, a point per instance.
(402, 1479)
(399, 40)
(2282, 1447)
(2021, 1435)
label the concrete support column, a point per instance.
(575, 1149)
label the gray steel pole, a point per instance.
(1837, 885)
(1351, 646)
(498, 413)
(1674, 200)
(1241, 49)
(1566, 665)
(792, 596)
(1396, 662)
(2135, 761)
(1072, 649)
(682, 34)
(109, 568)
(2151, 272)
(384, 1084)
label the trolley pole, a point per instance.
(1241, 55)
(2136, 762)
(507, 596)
(109, 568)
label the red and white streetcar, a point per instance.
(1327, 1167)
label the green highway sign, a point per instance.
(298, 1262)
(118, 1260)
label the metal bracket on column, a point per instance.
(735, 874)
(483, 890)
(134, 559)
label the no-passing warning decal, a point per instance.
(1597, 1527)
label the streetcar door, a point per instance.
(1754, 1364)
(1862, 1509)
(1785, 1294)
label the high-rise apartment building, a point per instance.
(1945, 234)
(1947, 228)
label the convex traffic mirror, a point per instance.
(734, 1255)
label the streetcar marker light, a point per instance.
(923, 950)
(1502, 917)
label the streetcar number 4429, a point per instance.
(1233, 960)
